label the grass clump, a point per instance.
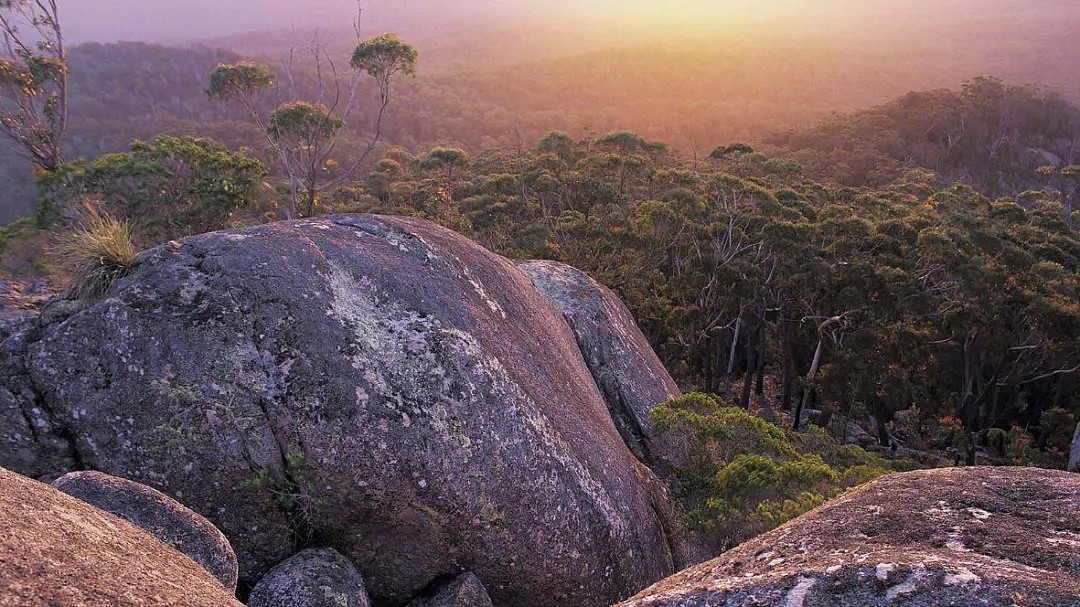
(744, 476)
(96, 252)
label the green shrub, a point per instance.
(744, 475)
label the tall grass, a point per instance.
(97, 251)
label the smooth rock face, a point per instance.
(463, 591)
(57, 551)
(382, 385)
(1007, 537)
(318, 577)
(1074, 458)
(624, 365)
(165, 518)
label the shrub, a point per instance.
(744, 475)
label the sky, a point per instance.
(177, 20)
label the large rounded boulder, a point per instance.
(57, 551)
(381, 385)
(1007, 537)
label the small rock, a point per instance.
(317, 577)
(464, 591)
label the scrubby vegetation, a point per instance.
(745, 475)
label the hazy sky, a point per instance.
(175, 20)
(107, 20)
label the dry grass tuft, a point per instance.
(98, 251)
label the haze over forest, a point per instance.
(693, 74)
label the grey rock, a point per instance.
(465, 590)
(58, 551)
(631, 379)
(623, 364)
(1074, 457)
(165, 518)
(317, 577)
(994, 537)
(382, 384)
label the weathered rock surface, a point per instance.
(165, 518)
(380, 384)
(19, 301)
(465, 590)
(57, 551)
(1007, 537)
(623, 364)
(1074, 457)
(317, 577)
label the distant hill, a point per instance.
(990, 134)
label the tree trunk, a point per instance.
(748, 376)
(731, 356)
(786, 339)
(810, 376)
(762, 352)
(1074, 459)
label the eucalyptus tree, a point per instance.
(302, 135)
(33, 80)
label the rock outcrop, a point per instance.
(1074, 457)
(1007, 537)
(623, 364)
(381, 385)
(57, 551)
(463, 591)
(165, 518)
(317, 577)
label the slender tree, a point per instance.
(302, 135)
(33, 80)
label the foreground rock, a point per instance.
(990, 537)
(379, 384)
(57, 551)
(628, 372)
(463, 591)
(1074, 458)
(318, 577)
(165, 518)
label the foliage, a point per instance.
(747, 476)
(385, 56)
(240, 78)
(302, 122)
(1000, 138)
(295, 488)
(752, 281)
(33, 80)
(170, 187)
